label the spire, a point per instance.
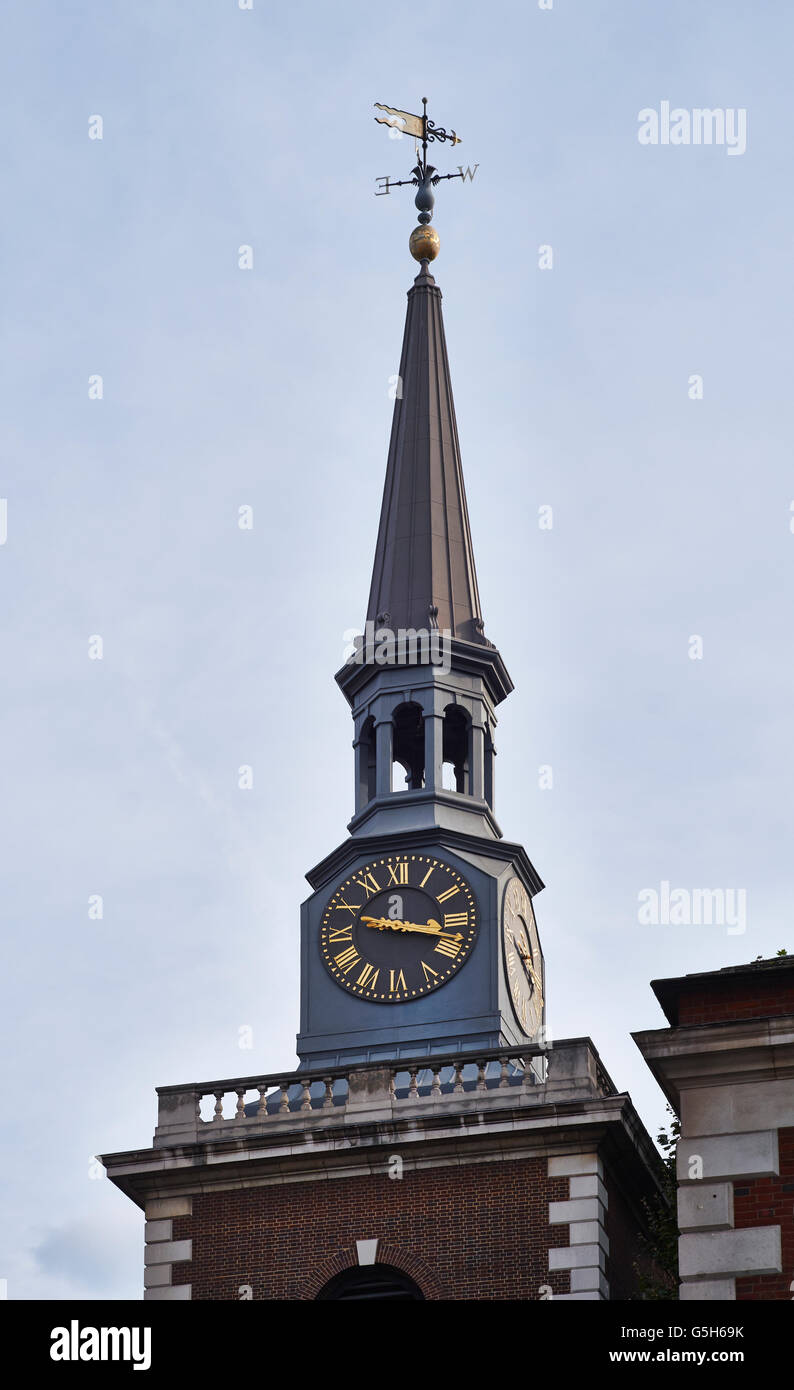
(424, 573)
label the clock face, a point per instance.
(398, 928)
(523, 961)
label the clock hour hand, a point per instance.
(526, 959)
(432, 928)
(532, 972)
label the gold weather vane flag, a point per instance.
(401, 120)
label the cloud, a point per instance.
(84, 1252)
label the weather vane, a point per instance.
(424, 241)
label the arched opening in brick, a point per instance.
(369, 1282)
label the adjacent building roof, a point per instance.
(669, 991)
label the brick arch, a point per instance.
(388, 1254)
(402, 1258)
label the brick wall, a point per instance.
(472, 1231)
(769, 1202)
(737, 997)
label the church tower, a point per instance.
(432, 1143)
(423, 916)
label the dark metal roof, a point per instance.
(424, 559)
(668, 991)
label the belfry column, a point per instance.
(384, 739)
(434, 746)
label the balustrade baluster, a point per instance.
(512, 1068)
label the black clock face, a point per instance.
(398, 928)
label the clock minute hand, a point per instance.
(526, 957)
(432, 928)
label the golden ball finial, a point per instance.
(424, 243)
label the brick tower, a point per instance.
(431, 1144)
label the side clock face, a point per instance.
(398, 928)
(523, 961)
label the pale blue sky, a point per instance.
(270, 387)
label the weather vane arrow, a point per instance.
(424, 241)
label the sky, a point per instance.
(639, 387)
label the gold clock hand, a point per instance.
(533, 975)
(379, 923)
(432, 928)
(526, 957)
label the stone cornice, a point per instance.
(354, 848)
(474, 658)
(713, 1054)
(320, 1151)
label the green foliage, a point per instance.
(657, 1271)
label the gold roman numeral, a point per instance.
(455, 919)
(347, 959)
(400, 984)
(368, 976)
(448, 893)
(398, 874)
(347, 907)
(428, 969)
(369, 883)
(427, 875)
(448, 948)
(340, 933)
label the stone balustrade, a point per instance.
(203, 1112)
(238, 1107)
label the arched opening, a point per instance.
(371, 1282)
(456, 749)
(408, 749)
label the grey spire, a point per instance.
(424, 572)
